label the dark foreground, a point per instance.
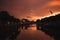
(9, 26)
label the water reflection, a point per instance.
(32, 27)
(33, 34)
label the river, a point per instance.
(33, 34)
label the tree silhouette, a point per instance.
(53, 27)
(8, 25)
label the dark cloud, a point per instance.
(24, 8)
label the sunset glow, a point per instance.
(35, 18)
(38, 17)
(34, 9)
(56, 13)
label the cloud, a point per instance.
(31, 8)
(52, 3)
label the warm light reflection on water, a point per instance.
(33, 34)
(33, 27)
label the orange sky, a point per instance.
(31, 9)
